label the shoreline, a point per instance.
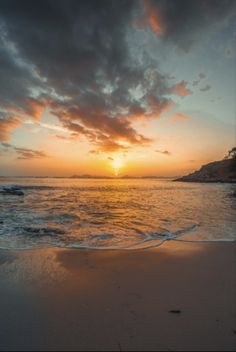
(128, 249)
(179, 296)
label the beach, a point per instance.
(177, 297)
(117, 175)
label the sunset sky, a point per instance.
(115, 87)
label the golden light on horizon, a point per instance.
(117, 164)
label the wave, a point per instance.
(54, 238)
(111, 216)
(12, 190)
(41, 237)
(42, 232)
(12, 187)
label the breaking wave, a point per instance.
(110, 215)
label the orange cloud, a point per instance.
(179, 117)
(181, 89)
(28, 106)
(105, 132)
(156, 106)
(34, 108)
(25, 153)
(7, 124)
(154, 18)
(159, 105)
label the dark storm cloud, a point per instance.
(23, 153)
(77, 55)
(69, 40)
(17, 80)
(74, 57)
(182, 22)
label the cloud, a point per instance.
(206, 88)
(18, 81)
(229, 49)
(24, 153)
(29, 154)
(201, 76)
(184, 22)
(94, 152)
(7, 125)
(48, 126)
(92, 118)
(154, 18)
(181, 89)
(75, 60)
(179, 117)
(165, 152)
(105, 144)
(158, 105)
(67, 139)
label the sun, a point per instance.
(117, 164)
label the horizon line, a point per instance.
(88, 177)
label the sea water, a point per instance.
(113, 213)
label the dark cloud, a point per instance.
(68, 41)
(18, 81)
(23, 153)
(108, 133)
(201, 76)
(206, 88)
(183, 22)
(29, 154)
(158, 105)
(164, 152)
(74, 58)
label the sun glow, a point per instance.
(117, 164)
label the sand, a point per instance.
(121, 301)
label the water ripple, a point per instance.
(113, 214)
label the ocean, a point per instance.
(113, 214)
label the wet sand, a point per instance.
(180, 296)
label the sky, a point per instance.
(128, 87)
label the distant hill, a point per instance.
(218, 171)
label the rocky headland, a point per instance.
(217, 171)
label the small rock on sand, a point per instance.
(175, 311)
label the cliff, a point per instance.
(218, 171)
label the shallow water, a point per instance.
(114, 214)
